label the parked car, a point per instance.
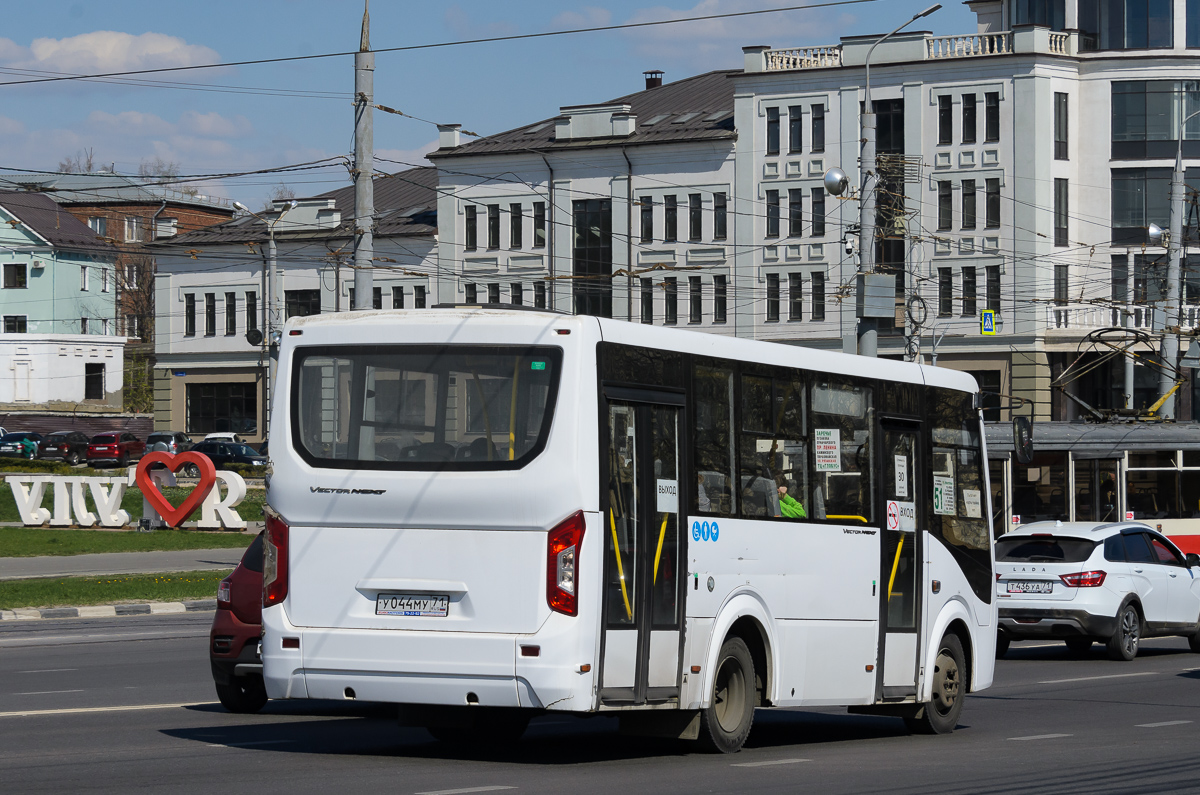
(223, 436)
(69, 446)
(234, 640)
(120, 447)
(223, 454)
(22, 444)
(1116, 583)
(175, 441)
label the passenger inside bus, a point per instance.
(789, 506)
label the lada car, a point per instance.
(235, 635)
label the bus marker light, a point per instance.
(695, 669)
(531, 651)
(563, 331)
(295, 332)
(291, 643)
(585, 668)
(870, 668)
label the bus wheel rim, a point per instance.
(729, 695)
(946, 683)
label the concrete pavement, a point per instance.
(120, 563)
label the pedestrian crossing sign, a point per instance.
(988, 322)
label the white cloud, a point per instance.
(215, 125)
(130, 123)
(586, 17)
(400, 159)
(105, 51)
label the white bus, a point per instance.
(482, 513)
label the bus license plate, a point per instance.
(411, 604)
(1025, 586)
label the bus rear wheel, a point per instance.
(940, 715)
(725, 724)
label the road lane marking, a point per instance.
(1163, 723)
(28, 713)
(770, 762)
(46, 692)
(1041, 737)
(1096, 678)
(48, 671)
(463, 791)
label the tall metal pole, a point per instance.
(273, 324)
(1170, 340)
(364, 166)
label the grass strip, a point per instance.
(251, 508)
(111, 589)
(25, 542)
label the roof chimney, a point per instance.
(653, 78)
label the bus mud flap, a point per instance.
(675, 724)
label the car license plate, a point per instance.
(1028, 586)
(411, 604)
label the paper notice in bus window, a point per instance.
(668, 496)
(828, 448)
(972, 503)
(901, 475)
(943, 496)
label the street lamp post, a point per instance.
(272, 302)
(868, 336)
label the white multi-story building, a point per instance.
(1022, 164)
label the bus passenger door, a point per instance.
(642, 637)
(900, 560)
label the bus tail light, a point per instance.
(562, 565)
(1084, 579)
(275, 560)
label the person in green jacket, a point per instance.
(789, 506)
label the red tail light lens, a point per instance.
(224, 594)
(1084, 579)
(562, 565)
(275, 560)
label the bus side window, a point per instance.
(773, 461)
(713, 445)
(842, 444)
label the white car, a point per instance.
(1085, 581)
(223, 436)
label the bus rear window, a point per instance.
(423, 407)
(1044, 550)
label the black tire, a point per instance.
(940, 715)
(1124, 643)
(124, 460)
(73, 457)
(191, 470)
(1002, 641)
(1079, 645)
(726, 723)
(1194, 642)
(489, 729)
(244, 695)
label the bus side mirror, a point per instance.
(1023, 439)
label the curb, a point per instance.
(109, 611)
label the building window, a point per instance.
(189, 315)
(210, 314)
(398, 296)
(1047, 13)
(945, 292)
(795, 212)
(991, 116)
(1146, 115)
(15, 276)
(772, 131)
(970, 129)
(670, 220)
(471, 239)
(1127, 24)
(772, 297)
(991, 203)
(251, 310)
(945, 205)
(818, 295)
(132, 276)
(103, 279)
(968, 204)
(1060, 212)
(83, 277)
(14, 324)
(1061, 283)
(133, 326)
(695, 217)
(93, 381)
(419, 297)
(993, 288)
(493, 229)
(1119, 279)
(818, 128)
(377, 298)
(945, 119)
(133, 230)
(1060, 126)
(1140, 196)
(539, 224)
(720, 214)
(772, 213)
(83, 325)
(99, 225)
(795, 129)
(471, 293)
(516, 223)
(593, 258)
(795, 296)
(539, 295)
(222, 408)
(695, 300)
(230, 314)
(969, 292)
(671, 288)
(818, 212)
(301, 303)
(647, 294)
(516, 294)
(493, 291)
(719, 299)
(647, 219)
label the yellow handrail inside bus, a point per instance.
(661, 535)
(512, 413)
(895, 566)
(862, 519)
(620, 569)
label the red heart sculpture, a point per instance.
(172, 515)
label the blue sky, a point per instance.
(205, 120)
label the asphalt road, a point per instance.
(116, 704)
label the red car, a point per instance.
(119, 447)
(234, 647)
